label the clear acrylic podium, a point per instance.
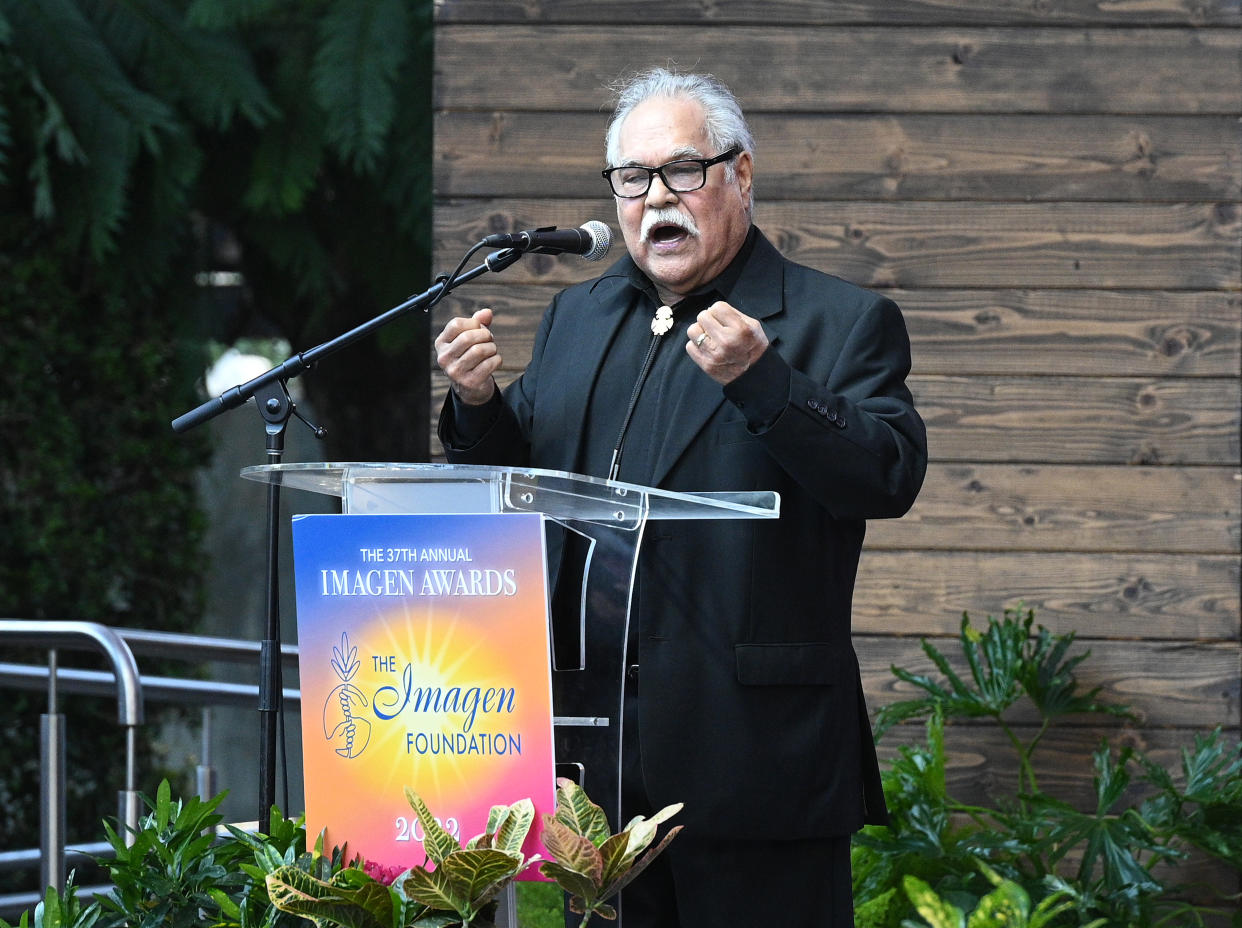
(589, 675)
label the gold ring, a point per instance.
(699, 341)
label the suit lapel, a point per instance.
(759, 292)
(569, 397)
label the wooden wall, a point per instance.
(1052, 192)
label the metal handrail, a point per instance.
(86, 636)
(129, 710)
(79, 852)
(132, 689)
(158, 689)
(205, 647)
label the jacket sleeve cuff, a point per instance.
(470, 423)
(762, 391)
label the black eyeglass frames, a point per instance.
(682, 176)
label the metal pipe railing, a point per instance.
(86, 636)
(131, 689)
(52, 785)
(129, 711)
(154, 689)
(201, 647)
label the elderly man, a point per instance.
(704, 360)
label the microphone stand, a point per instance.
(275, 406)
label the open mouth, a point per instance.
(667, 235)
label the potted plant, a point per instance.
(462, 883)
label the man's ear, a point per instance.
(744, 170)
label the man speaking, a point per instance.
(706, 361)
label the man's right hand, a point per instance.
(467, 353)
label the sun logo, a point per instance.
(338, 717)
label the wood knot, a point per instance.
(1144, 161)
(1136, 589)
(496, 131)
(1142, 144)
(1176, 341)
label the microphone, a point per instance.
(591, 240)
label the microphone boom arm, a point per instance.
(272, 398)
(295, 364)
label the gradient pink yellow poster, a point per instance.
(423, 646)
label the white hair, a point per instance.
(722, 115)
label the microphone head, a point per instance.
(601, 236)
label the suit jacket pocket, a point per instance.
(811, 663)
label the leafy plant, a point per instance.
(349, 897)
(1207, 809)
(467, 880)
(591, 864)
(284, 846)
(60, 910)
(464, 882)
(929, 834)
(177, 868)
(1007, 662)
(1007, 904)
(1100, 862)
(165, 875)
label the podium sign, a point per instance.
(423, 643)
(588, 682)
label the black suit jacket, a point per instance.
(751, 708)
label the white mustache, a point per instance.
(666, 215)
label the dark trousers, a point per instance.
(700, 882)
(708, 883)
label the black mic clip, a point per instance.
(499, 260)
(522, 242)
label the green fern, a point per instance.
(229, 14)
(96, 120)
(206, 74)
(289, 153)
(355, 70)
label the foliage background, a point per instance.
(146, 145)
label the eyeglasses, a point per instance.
(634, 180)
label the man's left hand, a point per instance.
(725, 342)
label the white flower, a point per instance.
(663, 321)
